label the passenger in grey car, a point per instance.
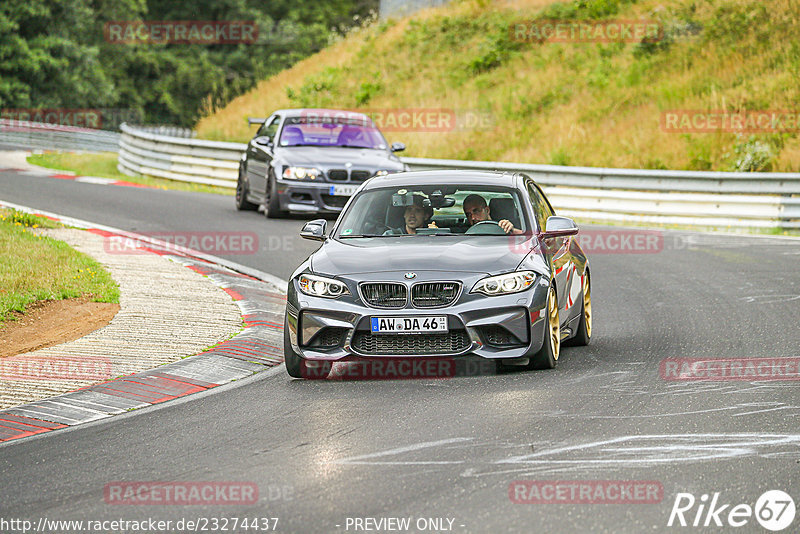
(415, 216)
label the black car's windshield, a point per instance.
(331, 132)
(433, 210)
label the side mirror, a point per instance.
(315, 230)
(263, 140)
(397, 147)
(559, 227)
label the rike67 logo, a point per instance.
(774, 510)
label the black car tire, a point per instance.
(584, 332)
(294, 363)
(242, 204)
(547, 356)
(272, 208)
(297, 367)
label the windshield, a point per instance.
(315, 131)
(433, 210)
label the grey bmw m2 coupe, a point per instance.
(440, 264)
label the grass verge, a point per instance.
(35, 267)
(104, 165)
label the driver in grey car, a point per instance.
(476, 210)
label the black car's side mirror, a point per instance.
(263, 140)
(315, 230)
(559, 227)
(397, 147)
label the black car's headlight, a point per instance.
(301, 173)
(319, 286)
(505, 284)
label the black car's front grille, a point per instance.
(343, 175)
(337, 175)
(498, 336)
(384, 294)
(329, 337)
(334, 201)
(434, 294)
(452, 342)
(359, 176)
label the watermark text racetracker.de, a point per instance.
(222, 243)
(205, 32)
(399, 368)
(181, 493)
(20, 119)
(747, 121)
(586, 31)
(74, 117)
(441, 120)
(38, 367)
(729, 369)
(585, 491)
(618, 241)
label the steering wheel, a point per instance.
(485, 228)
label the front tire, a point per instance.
(242, 204)
(547, 356)
(272, 209)
(296, 366)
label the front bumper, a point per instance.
(304, 197)
(498, 327)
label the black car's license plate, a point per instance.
(408, 325)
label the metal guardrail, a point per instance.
(694, 198)
(703, 199)
(171, 131)
(24, 134)
(176, 158)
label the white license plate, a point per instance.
(409, 325)
(342, 190)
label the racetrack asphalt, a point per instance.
(325, 451)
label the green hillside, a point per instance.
(568, 103)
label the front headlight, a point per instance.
(319, 286)
(300, 173)
(505, 284)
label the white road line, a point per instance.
(400, 450)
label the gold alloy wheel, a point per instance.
(552, 319)
(587, 306)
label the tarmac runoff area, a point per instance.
(173, 308)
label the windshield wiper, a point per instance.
(354, 146)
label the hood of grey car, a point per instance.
(337, 158)
(475, 254)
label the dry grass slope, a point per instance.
(562, 103)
